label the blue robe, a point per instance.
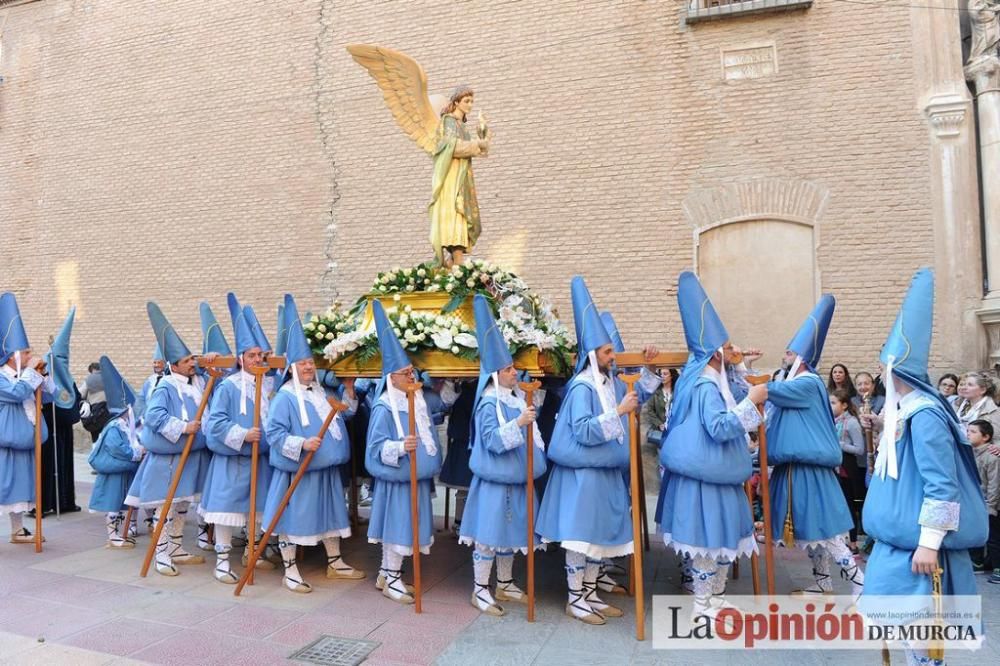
(115, 461)
(496, 509)
(17, 439)
(938, 486)
(703, 508)
(143, 397)
(586, 502)
(152, 479)
(317, 509)
(390, 522)
(225, 499)
(802, 442)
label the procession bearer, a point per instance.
(496, 513)
(703, 510)
(586, 501)
(231, 434)
(924, 507)
(20, 375)
(808, 507)
(387, 458)
(317, 511)
(169, 420)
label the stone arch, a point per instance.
(755, 251)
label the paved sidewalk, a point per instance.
(79, 603)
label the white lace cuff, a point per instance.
(611, 426)
(33, 378)
(292, 447)
(931, 537)
(448, 393)
(511, 435)
(235, 436)
(137, 452)
(391, 450)
(649, 381)
(748, 415)
(173, 429)
(939, 514)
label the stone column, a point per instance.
(984, 72)
(944, 97)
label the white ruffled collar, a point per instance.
(397, 403)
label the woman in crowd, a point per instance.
(865, 385)
(975, 400)
(854, 464)
(840, 378)
(947, 386)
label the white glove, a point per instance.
(85, 410)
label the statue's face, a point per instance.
(465, 105)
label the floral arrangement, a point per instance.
(525, 319)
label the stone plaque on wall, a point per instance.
(754, 61)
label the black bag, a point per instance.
(99, 417)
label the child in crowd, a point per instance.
(980, 433)
(851, 472)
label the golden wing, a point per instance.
(404, 88)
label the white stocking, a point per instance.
(482, 567)
(722, 573)
(849, 569)
(821, 568)
(704, 571)
(16, 522)
(575, 567)
(288, 560)
(223, 538)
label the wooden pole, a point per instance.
(214, 372)
(765, 488)
(754, 558)
(637, 539)
(411, 390)
(529, 389)
(128, 523)
(336, 407)
(38, 468)
(273, 362)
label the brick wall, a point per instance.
(189, 148)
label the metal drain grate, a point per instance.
(335, 651)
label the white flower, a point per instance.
(420, 325)
(442, 339)
(409, 288)
(310, 326)
(470, 283)
(322, 328)
(467, 340)
(396, 331)
(329, 336)
(397, 298)
(449, 287)
(314, 319)
(453, 330)
(440, 321)
(456, 271)
(454, 350)
(433, 287)
(421, 272)
(403, 320)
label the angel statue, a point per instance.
(438, 125)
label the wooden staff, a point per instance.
(754, 558)
(128, 523)
(529, 389)
(258, 552)
(258, 372)
(866, 408)
(214, 369)
(411, 390)
(765, 488)
(38, 468)
(634, 466)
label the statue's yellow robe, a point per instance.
(454, 209)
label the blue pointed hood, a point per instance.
(213, 340)
(169, 341)
(808, 342)
(704, 333)
(12, 335)
(297, 348)
(58, 362)
(157, 354)
(281, 340)
(393, 355)
(257, 329)
(909, 341)
(242, 331)
(590, 332)
(612, 328)
(494, 355)
(117, 391)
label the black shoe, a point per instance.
(980, 568)
(71, 509)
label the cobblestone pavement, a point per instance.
(79, 603)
